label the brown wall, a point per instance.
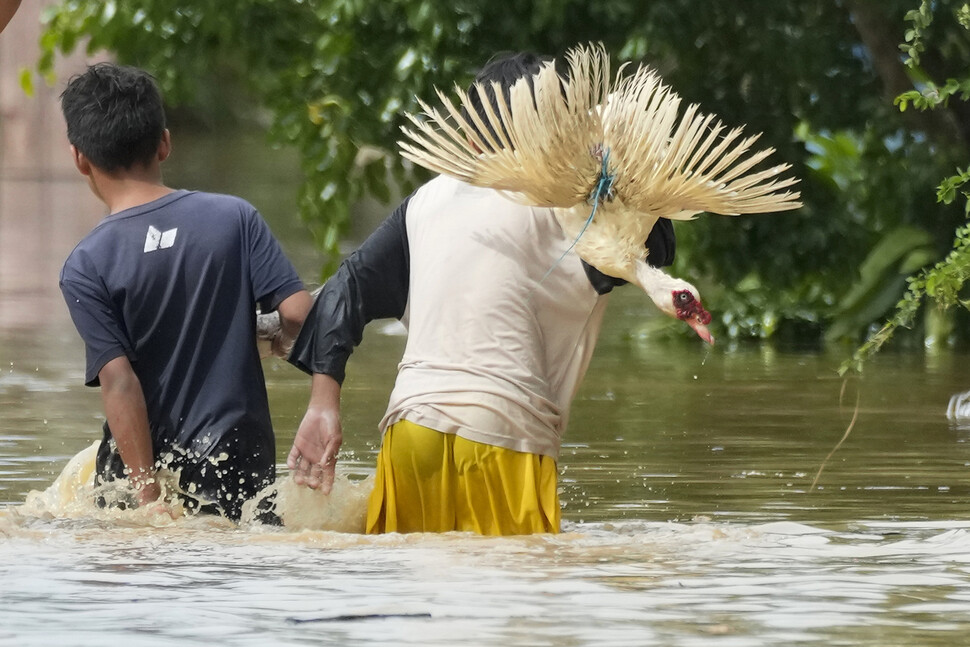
(45, 205)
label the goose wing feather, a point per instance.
(547, 142)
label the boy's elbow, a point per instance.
(117, 376)
(294, 310)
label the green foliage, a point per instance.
(921, 18)
(882, 277)
(932, 95)
(333, 78)
(760, 311)
(944, 281)
(27, 82)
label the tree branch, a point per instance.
(881, 35)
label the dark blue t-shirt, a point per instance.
(173, 285)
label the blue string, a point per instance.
(602, 191)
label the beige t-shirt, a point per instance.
(501, 325)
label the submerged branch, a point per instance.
(855, 415)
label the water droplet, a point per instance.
(707, 354)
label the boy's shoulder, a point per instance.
(187, 200)
(227, 199)
(214, 214)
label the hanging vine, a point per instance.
(943, 282)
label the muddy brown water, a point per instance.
(688, 516)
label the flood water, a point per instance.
(689, 516)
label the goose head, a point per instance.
(613, 244)
(675, 298)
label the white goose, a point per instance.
(609, 158)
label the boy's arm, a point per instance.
(124, 406)
(277, 330)
(293, 311)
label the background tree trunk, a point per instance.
(882, 35)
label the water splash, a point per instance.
(958, 410)
(344, 509)
(73, 495)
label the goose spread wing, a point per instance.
(555, 140)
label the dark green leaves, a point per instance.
(332, 78)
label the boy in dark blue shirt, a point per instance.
(163, 292)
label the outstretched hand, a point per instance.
(313, 457)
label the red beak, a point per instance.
(701, 330)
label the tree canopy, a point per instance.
(818, 78)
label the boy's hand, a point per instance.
(147, 490)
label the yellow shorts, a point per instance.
(428, 481)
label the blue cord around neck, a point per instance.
(602, 191)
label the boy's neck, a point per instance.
(135, 195)
(133, 186)
(124, 191)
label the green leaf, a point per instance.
(882, 278)
(27, 82)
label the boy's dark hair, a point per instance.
(506, 69)
(114, 115)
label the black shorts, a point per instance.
(209, 485)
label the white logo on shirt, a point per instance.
(159, 239)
